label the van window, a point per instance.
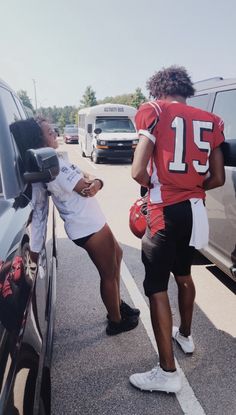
(225, 107)
(199, 101)
(115, 125)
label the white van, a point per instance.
(107, 132)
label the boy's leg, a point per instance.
(162, 326)
(186, 296)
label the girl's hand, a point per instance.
(92, 189)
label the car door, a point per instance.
(23, 289)
(221, 202)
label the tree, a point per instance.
(89, 98)
(25, 99)
(138, 98)
(134, 99)
(73, 116)
(62, 122)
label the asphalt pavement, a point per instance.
(90, 370)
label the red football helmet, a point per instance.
(137, 217)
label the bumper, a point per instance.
(71, 140)
(115, 154)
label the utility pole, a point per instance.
(35, 95)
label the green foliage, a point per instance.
(69, 114)
(134, 100)
(62, 122)
(89, 98)
(59, 115)
(73, 117)
(25, 99)
(138, 98)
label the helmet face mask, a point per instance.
(137, 217)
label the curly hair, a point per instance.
(27, 134)
(170, 81)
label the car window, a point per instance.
(199, 101)
(12, 112)
(71, 130)
(225, 107)
(0, 184)
(20, 107)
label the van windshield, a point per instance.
(115, 125)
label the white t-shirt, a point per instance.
(81, 215)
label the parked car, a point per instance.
(70, 134)
(218, 95)
(27, 291)
(56, 129)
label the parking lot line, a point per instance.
(186, 397)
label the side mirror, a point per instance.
(89, 128)
(229, 152)
(98, 131)
(42, 165)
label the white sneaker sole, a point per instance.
(160, 389)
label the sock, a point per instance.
(169, 370)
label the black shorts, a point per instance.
(168, 250)
(82, 241)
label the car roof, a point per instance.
(5, 85)
(213, 84)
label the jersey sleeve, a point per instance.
(146, 120)
(67, 178)
(218, 132)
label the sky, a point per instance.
(115, 46)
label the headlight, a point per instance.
(101, 142)
(135, 141)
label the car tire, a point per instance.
(94, 157)
(82, 151)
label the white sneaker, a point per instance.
(186, 343)
(157, 380)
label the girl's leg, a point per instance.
(119, 255)
(106, 255)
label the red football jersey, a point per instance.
(183, 138)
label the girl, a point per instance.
(73, 195)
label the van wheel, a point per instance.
(81, 150)
(94, 157)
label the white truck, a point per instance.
(107, 132)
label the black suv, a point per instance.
(27, 290)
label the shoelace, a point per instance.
(154, 372)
